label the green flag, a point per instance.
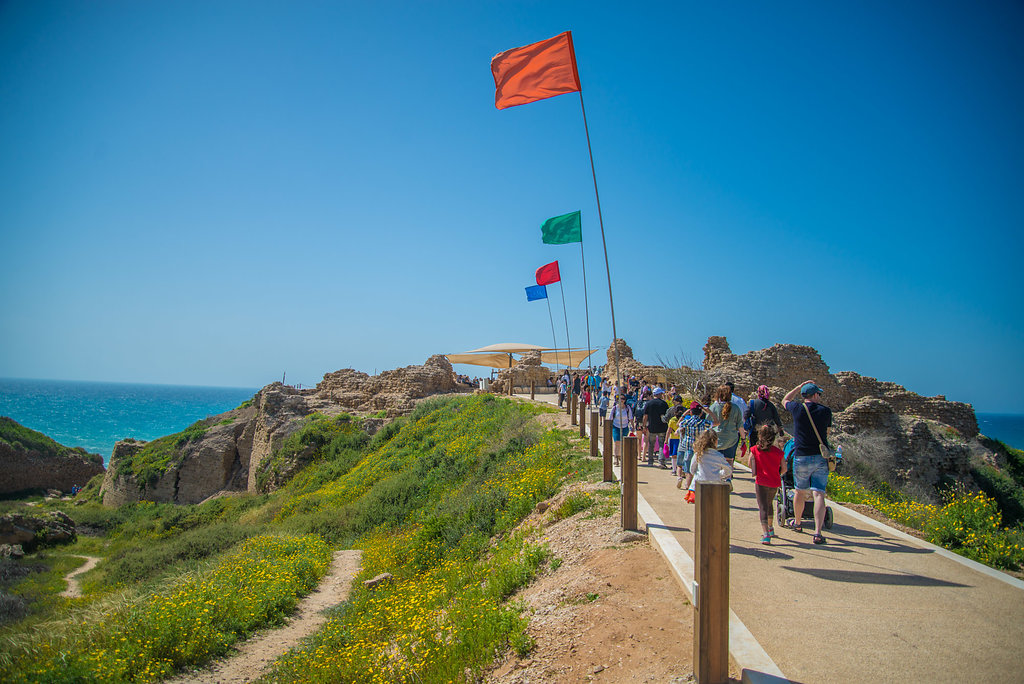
(562, 230)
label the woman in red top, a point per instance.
(767, 463)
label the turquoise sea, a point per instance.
(95, 415)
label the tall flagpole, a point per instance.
(604, 243)
(586, 304)
(568, 345)
(554, 342)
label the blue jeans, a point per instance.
(810, 472)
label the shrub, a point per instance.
(1006, 492)
(573, 504)
(971, 525)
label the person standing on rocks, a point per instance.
(810, 469)
(654, 422)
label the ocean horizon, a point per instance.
(96, 415)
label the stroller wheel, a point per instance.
(828, 518)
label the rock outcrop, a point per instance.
(628, 366)
(38, 463)
(528, 369)
(32, 532)
(234, 446)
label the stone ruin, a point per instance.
(528, 369)
(783, 366)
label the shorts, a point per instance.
(810, 472)
(617, 433)
(729, 452)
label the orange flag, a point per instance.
(535, 72)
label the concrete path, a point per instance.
(873, 604)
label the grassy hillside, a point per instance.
(21, 438)
(432, 499)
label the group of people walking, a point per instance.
(699, 441)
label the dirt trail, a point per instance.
(74, 589)
(257, 654)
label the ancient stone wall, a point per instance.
(22, 470)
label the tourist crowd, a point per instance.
(699, 440)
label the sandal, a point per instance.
(795, 526)
(818, 539)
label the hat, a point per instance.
(810, 389)
(694, 405)
(658, 390)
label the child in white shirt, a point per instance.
(709, 465)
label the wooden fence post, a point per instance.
(572, 410)
(629, 499)
(711, 584)
(594, 452)
(609, 447)
(532, 391)
(583, 418)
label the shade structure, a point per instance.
(572, 358)
(508, 347)
(496, 360)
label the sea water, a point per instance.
(1007, 428)
(95, 415)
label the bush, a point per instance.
(971, 525)
(1006, 492)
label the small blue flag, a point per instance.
(535, 292)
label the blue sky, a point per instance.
(218, 192)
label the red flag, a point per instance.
(548, 273)
(535, 72)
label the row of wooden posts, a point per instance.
(711, 544)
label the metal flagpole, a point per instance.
(586, 304)
(568, 345)
(554, 342)
(604, 243)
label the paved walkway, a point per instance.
(873, 604)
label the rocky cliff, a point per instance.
(225, 453)
(30, 460)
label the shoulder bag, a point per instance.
(823, 448)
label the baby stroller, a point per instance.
(784, 499)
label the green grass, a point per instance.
(434, 499)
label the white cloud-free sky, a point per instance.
(216, 193)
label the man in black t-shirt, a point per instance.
(810, 470)
(654, 419)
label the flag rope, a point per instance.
(604, 244)
(586, 303)
(554, 342)
(568, 345)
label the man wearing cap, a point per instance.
(810, 469)
(654, 420)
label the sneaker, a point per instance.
(766, 539)
(679, 483)
(771, 532)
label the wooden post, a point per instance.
(568, 401)
(532, 391)
(594, 452)
(583, 418)
(609, 446)
(629, 517)
(711, 584)
(572, 409)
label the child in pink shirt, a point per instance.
(768, 464)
